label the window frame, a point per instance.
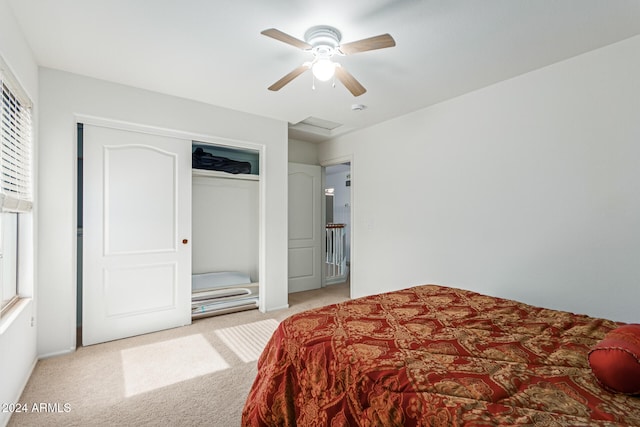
(16, 168)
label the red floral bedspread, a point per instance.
(434, 356)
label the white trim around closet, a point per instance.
(222, 141)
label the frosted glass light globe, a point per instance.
(323, 69)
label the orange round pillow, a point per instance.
(615, 361)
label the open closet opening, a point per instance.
(225, 229)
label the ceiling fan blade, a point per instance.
(286, 38)
(377, 42)
(286, 79)
(349, 81)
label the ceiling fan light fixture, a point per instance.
(323, 69)
(324, 42)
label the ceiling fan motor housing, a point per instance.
(323, 39)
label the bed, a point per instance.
(438, 356)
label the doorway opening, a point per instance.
(79, 137)
(337, 200)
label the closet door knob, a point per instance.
(185, 241)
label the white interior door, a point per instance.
(137, 232)
(305, 227)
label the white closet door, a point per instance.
(137, 232)
(305, 227)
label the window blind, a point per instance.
(15, 155)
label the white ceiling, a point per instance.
(212, 51)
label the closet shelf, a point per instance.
(218, 174)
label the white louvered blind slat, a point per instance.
(15, 154)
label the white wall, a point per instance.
(65, 95)
(527, 189)
(17, 334)
(303, 152)
(224, 221)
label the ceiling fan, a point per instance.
(323, 42)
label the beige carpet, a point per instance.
(197, 375)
